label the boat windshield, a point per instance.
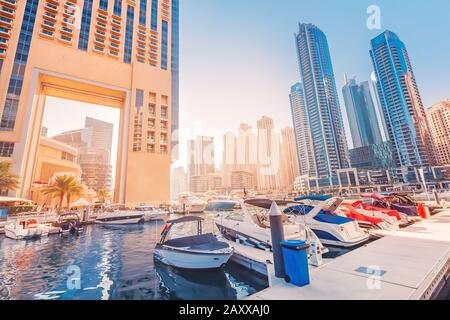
(236, 216)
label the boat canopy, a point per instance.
(265, 203)
(314, 198)
(185, 219)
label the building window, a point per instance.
(16, 81)
(152, 109)
(6, 149)
(154, 22)
(104, 4)
(143, 13)
(118, 8)
(85, 25)
(164, 44)
(129, 35)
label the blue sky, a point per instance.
(238, 58)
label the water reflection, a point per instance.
(114, 263)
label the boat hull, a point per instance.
(120, 220)
(192, 260)
(18, 234)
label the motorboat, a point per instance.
(188, 203)
(199, 251)
(69, 223)
(151, 213)
(332, 229)
(25, 228)
(402, 218)
(119, 215)
(406, 199)
(366, 219)
(388, 202)
(221, 204)
(251, 226)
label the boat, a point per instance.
(402, 218)
(332, 229)
(151, 213)
(119, 215)
(251, 226)
(221, 204)
(25, 228)
(388, 202)
(200, 251)
(406, 199)
(188, 203)
(69, 223)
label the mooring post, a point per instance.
(277, 233)
(436, 196)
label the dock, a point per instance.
(410, 264)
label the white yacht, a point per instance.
(251, 226)
(188, 203)
(200, 251)
(25, 228)
(151, 213)
(119, 214)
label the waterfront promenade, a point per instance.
(410, 264)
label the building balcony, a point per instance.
(116, 31)
(101, 26)
(55, 2)
(3, 44)
(50, 7)
(9, 3)
(46, 34)
(7, 13)
(49, 16)
(66, 40)
(6, 24)
(66, 31)
(48, 25)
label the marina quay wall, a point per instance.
(411, 264)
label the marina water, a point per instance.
(111, 262)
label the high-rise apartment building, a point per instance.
(175, 122)
(114, 53)
(322, 104)
(200, 152)
(288, 158)
(361, 113)
(401, 103)
(268, 155)
(439, 120)
(93, 143)
(302, 131)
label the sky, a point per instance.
(238, 58)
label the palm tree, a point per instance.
(8, 180)
(63, 187)
(103, 194)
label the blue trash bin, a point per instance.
(296, 262)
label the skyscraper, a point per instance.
(439, 121)
(200, 154)
(400, 100)
(361, 113)
(302, 132)
(175, 77)
(268, 155)
(289, 161)
(322, 103)
(114, 53)
(93, 143)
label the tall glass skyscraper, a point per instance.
(300, 121)
(400, 100)
(361, 113)
(322, 103)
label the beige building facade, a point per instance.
(439, 121)
(96, 52)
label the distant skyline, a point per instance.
(238, 58)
